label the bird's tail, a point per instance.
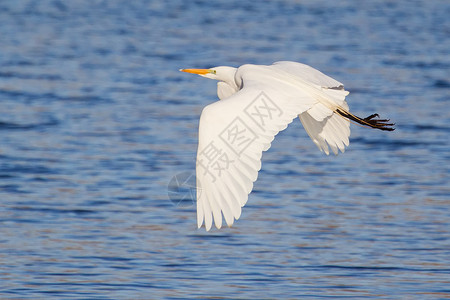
(373, 121)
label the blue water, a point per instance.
(96, 120)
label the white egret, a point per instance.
(257, 102)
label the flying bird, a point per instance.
(257, 102)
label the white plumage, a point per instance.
(256, 103)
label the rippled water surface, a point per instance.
(96, 120)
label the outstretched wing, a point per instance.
(326, 128)
(233, 133)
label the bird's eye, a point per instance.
(214, 71)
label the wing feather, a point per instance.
(247, 170)
(228, 214)
(207, 211)
(223, 205)
(231, 202)
(215, 207)
(200, 210)
(236, 205)
(319, 112)
(332, 131)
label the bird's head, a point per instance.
(218, 73)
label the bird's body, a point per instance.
(257, 102)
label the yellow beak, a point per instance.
(196, 71)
